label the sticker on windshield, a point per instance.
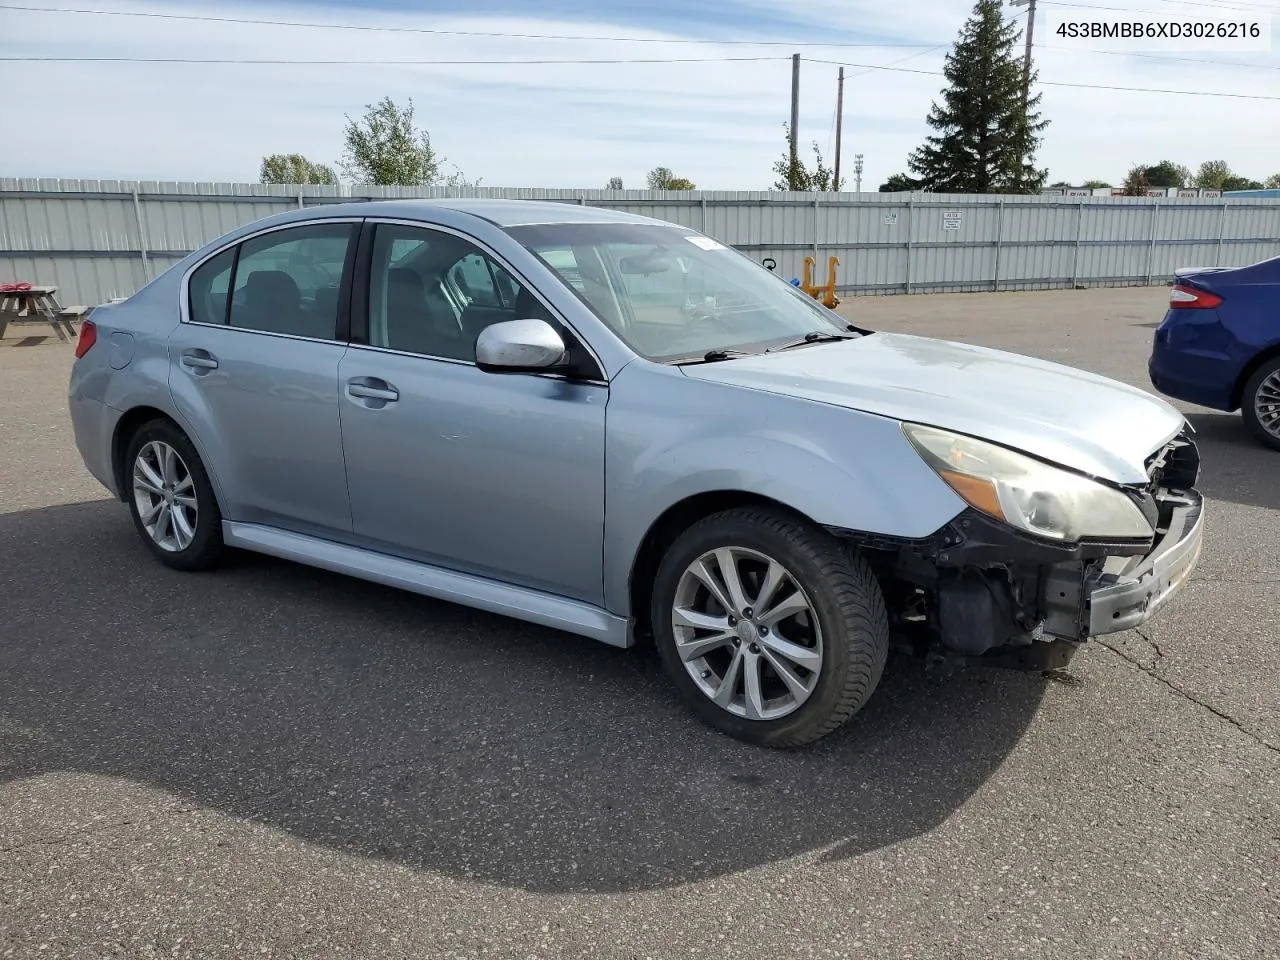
(705, 243)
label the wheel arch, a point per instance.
(1265, 356)
(128, 425)
(669, 525)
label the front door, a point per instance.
(491, 474)
(254, 371)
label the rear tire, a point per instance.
(1260, 404)
(746, 665)
(172, 502)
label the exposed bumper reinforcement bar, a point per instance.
(1130, 589)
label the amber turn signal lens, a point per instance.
(980, 494)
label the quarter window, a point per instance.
(288, 281)
(208, 288)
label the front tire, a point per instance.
(1260, 404)
(172, 502)
(772, 630)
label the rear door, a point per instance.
(254, 370)
(499, 475)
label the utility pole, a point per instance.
(1026, 58)
(839, 125)
(857, 172)
(795, 105)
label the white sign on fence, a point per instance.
(951, 219)
(891, 219)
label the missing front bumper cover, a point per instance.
(1130, 589)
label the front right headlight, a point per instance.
(1027, 493)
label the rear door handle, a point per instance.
(198, 360)
(372, 388)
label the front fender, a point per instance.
(838, 467)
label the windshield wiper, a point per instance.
(711, 356)
(813, 336)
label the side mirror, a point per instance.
(519, 346)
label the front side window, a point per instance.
(671, 294)
(288, 281)
(431, 292)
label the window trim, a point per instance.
(184, 298)
(359, 328)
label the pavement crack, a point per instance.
(1153, 645)
(1185, 694)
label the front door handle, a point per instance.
(372, 388)
(198, 361)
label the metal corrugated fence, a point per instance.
(96, 239)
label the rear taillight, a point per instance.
(88, 337)
(1182, 297)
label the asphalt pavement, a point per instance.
(272, 761)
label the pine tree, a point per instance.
(987, 136)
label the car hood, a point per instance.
(1089, 423)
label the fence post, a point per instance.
(1075, 257)
(815, 237)
(703, 203)
(995, 276)
(142, 236)
(300, 203)
(911, 228)
(1151, 248)
(1222, 232)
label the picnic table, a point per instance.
(34, 303)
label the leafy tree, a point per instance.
(294, 168)
(1235, 182)
(615, 183)
(794, 175)
(1166, 173)
(1095, 184)
(1135, 181)
(1212, 175)
(1273, 182)
(386, 149)
(987, 133)
(899, 183)
(661, 178)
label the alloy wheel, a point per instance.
(746, 632)
(1266, 404)
(165, 496)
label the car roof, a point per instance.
(502, 213)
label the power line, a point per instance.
(1156, 56)
(452, 33)
(1080, 86)
(863, 68)
(1187, 3)
(385, 63)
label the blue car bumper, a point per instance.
(1194, 358)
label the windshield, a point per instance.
(672, 294)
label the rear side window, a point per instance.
(208, 289)
(288, 281)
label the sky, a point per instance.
(718, 122)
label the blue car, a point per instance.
(1219, 343)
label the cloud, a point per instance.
(720, 124)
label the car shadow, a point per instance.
(1234, 466)
(387, 725)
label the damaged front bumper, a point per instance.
(1122, 592)
(979, 588)
(1129, 590)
